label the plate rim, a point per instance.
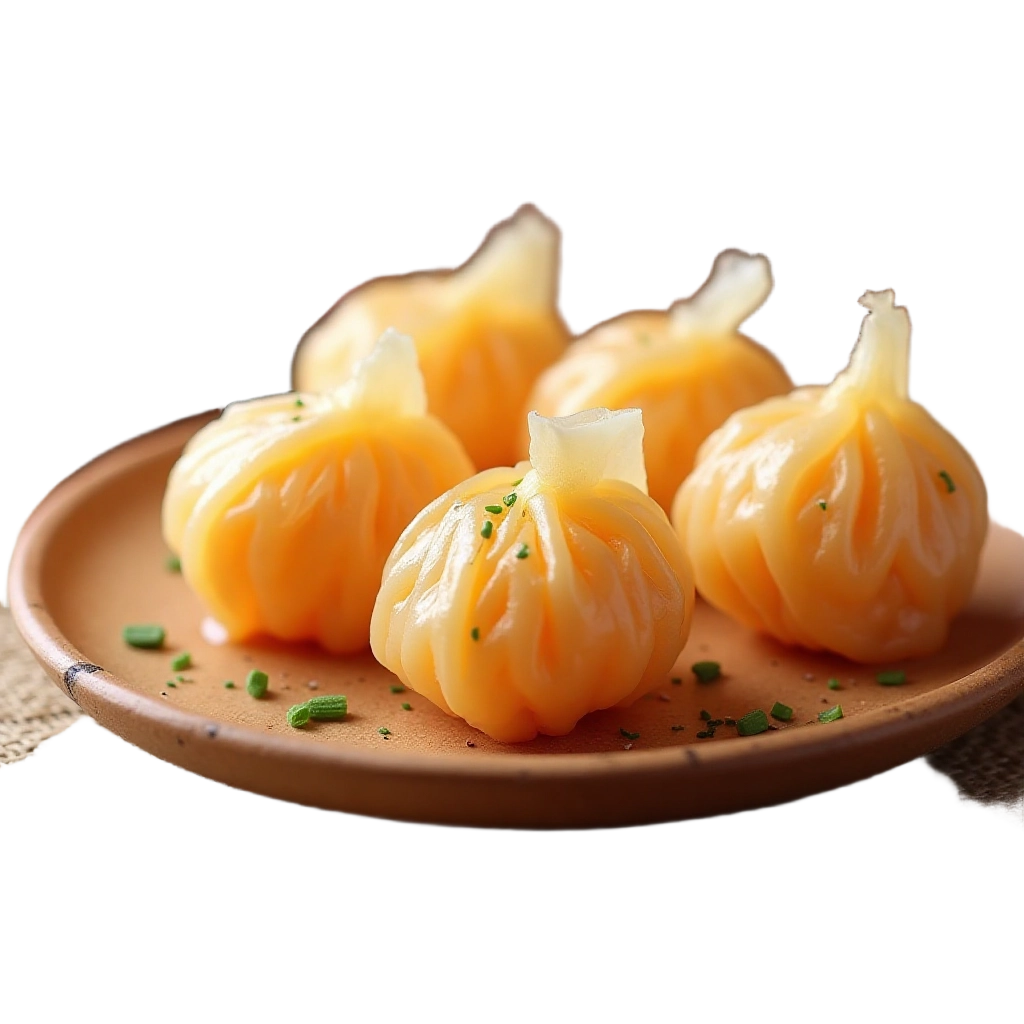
(926, 720)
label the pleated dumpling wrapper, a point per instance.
(525, 598)
(283, 510)
(483, 332)
(842, 518)
(687, 369)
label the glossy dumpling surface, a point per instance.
(526, 597)
(687, 368)
(483, 333)
(284, 509)
(843, 518)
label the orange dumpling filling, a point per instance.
(842, 518)
(526, 597)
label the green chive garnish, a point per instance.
(833, 683)
(384, 731)
(783, 712)
(702, 735)
(706, 671)
(406, 706)
(705, 716)
(172, 563)
(181, 662)
(509, 499)
(329, 708)
(170, 682)
(486, 530)
(256, 683)
(948, 481)
(516, 483)
(823, 505)
(523, 551)
(296, 419)
(146, 637)
(730, 721)
(629, 735)
(752, 723)
(229, 684)
(398, 688)
(495, 510)
(677, 681)
(831, 714)
(896, 677)
(299, 403)
(298, 715)
(475, 632)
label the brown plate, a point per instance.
(91, 559)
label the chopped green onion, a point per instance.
(705, 716)
(296, 419)
(948, 481)
(509, 499)
(487, 529)
(833, 683)
(516, 483)
(146, 637)
(384, 731)
(181, 662)
(398, 688)
(495, 510)
(702, 735)
(730, 721)
(677, 681)
(229, 684)
(706, 671)
(753, 723)
(629, 735)
(172, 563)
(523, 551)
(299, 403)
(822, 504)
(406, 706)
(831, 714)
(783, 712)
(330, 707)
(170, 682)
(475, 632)
(256, 683)
(897, 677)
(298, 715)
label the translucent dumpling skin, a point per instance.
(283, 511)
(483, 333)
(843, 518)
(525, 598)
(687, 369)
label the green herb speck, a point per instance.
(229, 684)
(896, 677)
(398, 688)
(180, 662)
(783, 712)
(406, 706)
(475, 632)
(706, 671)
(948, 481)
(831, 714)
(833, 683)
(486, 530)
(146, 637)
(172, 563)
(256, 683)
(523, 551)
(384, 731)
(495, 510)
(509, 499)
(629, 735)
(752, 723)
(823, 505)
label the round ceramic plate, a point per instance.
(91, 560)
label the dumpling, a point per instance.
(842, 518)
(483, 332)
(525, 598)
(283, 511)
(687, 369)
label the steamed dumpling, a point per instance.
(283, 511)
(483, 333)
(843, 518)
(687, 369)
(525, 598)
